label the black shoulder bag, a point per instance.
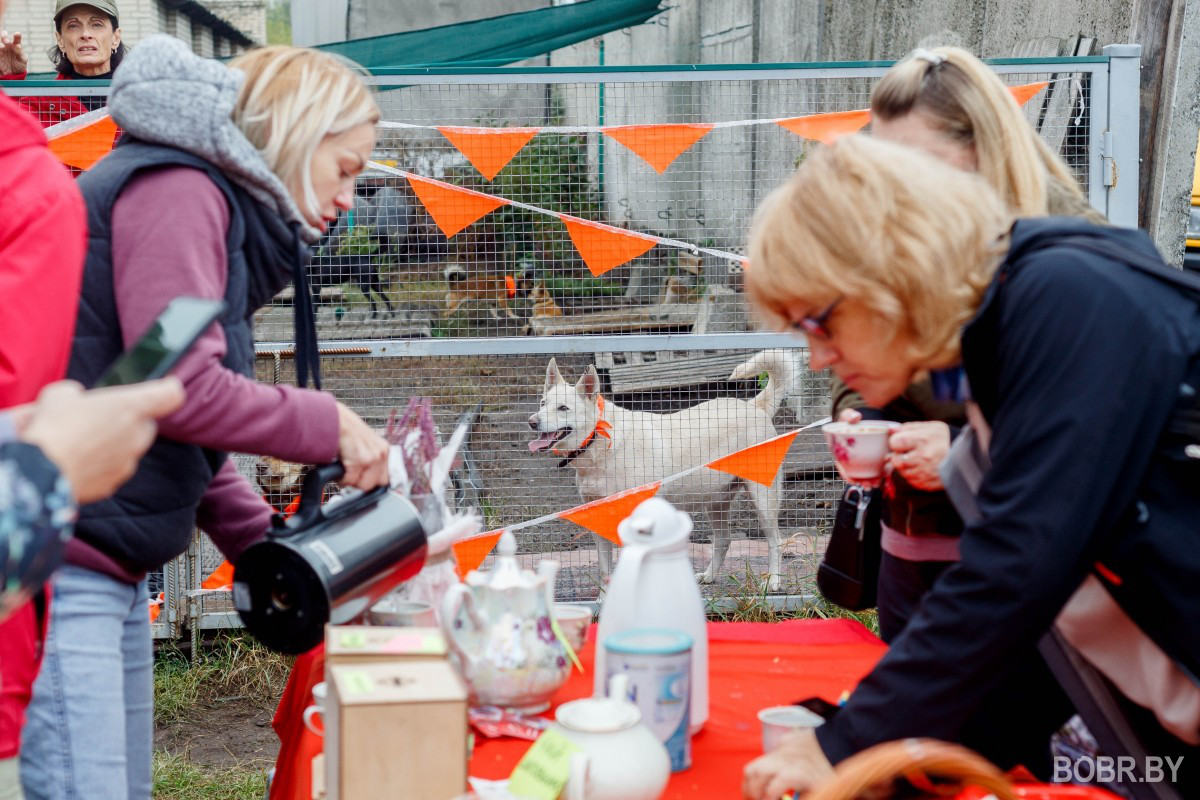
(849, 573)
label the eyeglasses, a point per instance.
(817, 325)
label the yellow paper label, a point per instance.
(358, 683)
(567, 645)
(543, 772)
(353, 640)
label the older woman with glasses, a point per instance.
(1078, 352)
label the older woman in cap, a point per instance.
(87, 45)
(1078, 352)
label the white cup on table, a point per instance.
(318, 707)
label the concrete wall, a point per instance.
(248, 16)
(318, 21)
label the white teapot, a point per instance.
(620, 759)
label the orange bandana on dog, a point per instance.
(510, 286)
(602, 429)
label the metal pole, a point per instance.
(1122, 142)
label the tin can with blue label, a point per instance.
(659, 665)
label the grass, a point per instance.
(234, 667)
(176, 778)
(748, 601)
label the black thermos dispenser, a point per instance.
(326, 564)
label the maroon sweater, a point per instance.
(169, 230)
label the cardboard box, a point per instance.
(396, 730)
(376, 644)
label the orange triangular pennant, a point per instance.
(84, 147)
(759, 463)
(602, 516)
(603, 247)
(453, 207)
(1022, 94)
(825, 128)
(658, 145)
(489, 149)
(221, 577)
(470, 553)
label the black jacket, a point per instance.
(1084, 367)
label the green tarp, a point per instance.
(497, 40)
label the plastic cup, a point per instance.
(778, 721)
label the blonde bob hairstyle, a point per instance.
(913, 239)
(965, 100)
(292, 98)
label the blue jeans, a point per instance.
(89, 733)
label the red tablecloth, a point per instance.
(751, 666)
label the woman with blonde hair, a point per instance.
(1079, 351)
(224, 178)
(953, 106)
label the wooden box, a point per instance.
(396, 730)
(376, 644)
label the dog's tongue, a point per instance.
(543, 442)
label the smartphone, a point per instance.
(168, 339)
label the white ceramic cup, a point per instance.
(402, 613)
(860, 450)
(777, 721)
(318, 707)
(573, 620)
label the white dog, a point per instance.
(613, 449)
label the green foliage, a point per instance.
(279, 22)
(586, 287)
(176, 778)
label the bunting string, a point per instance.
(759, 462)
(479, 200)
(1022, 93)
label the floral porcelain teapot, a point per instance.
(499, 630)
(620, 758)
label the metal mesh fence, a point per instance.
(390, 270)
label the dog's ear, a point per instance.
(553, 376)
(589, 385)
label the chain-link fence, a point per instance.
(604, 227)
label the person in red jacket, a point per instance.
(43, 235)
(87, 46)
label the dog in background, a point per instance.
(492, 288)
(279, 480)
(612, 449)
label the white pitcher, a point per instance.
(619, 758)
(654, 586)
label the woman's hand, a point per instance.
(12, 57)
(96, 438)
(850, 416)
(797, 765)
(363, 452)
(918, 449)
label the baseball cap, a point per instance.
(107, 6)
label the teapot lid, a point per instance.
(507, 572)
(656, 524)
(598, 715)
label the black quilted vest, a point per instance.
(150, 519)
